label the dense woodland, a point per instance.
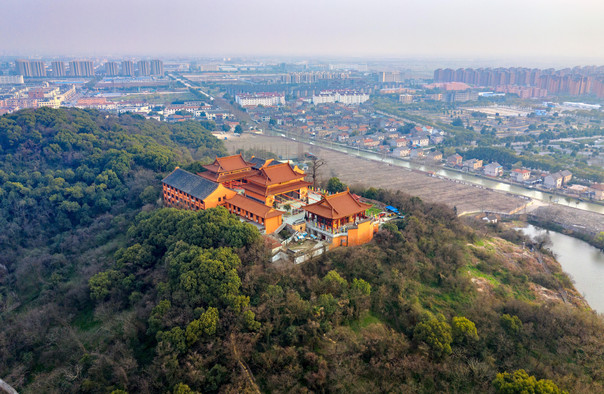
(104, 291)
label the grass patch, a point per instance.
(374, 210)
(365, 320)
(479, 274)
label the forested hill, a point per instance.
(62, 168)
(104, 291)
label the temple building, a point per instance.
(184, 190)
(340, 219)
(228, 170)
(181, 189)
(275, 182)
(270, 218)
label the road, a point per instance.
(216, 101)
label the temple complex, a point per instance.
(253, 189)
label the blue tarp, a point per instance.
(392, 209)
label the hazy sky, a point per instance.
(535, 29)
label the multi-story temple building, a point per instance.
(181, 189)
(272, 182)
(228, 170)
(262, 180)
(340, 219)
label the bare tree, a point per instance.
(315, 164)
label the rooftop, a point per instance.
(191, 184)
(254, 207)
(275, 174)
(228, 163)
(337, 206)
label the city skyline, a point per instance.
(557, 31)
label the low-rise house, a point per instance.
(566, 176)
(399, 142)
(597, 190)
(343, 137)
(417, 154)
(472, 164)
(553, 181)
(558, 179)
(493, 169)
(455, 160)
(436, 139)
(401, 152)
(520, 174)
(435, 156)
(370, 142)
(420, 141)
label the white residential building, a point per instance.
(255, 99)
(347, 97)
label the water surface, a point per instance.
(583, 262)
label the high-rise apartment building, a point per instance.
(144, 67)
(157, 67)
(30, 68)
(127, 68)
(81, 68)
(74, 68)
(58, 69)
(22, 68)
(37, 68)
(388, 76)
(111, 69)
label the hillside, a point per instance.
(103, 290)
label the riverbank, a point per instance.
(571, 233)
(583, 263)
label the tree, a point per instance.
(334, 283)
(315, 164)
(457, 122)
(334, 185)
(238, 129)
(512, 324)
(206, 325)
(464, 330)
(436, 333)
(520, 382)
(599, 239)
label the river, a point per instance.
(583, 262)
(452, 174)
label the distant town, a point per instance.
(537, 128)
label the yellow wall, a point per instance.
(271, 224)
(221, 192)
(361, 235)
(356, 236)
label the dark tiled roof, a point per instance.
(191, 184)
(258, 162)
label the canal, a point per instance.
(451, 174)
(583, 262)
